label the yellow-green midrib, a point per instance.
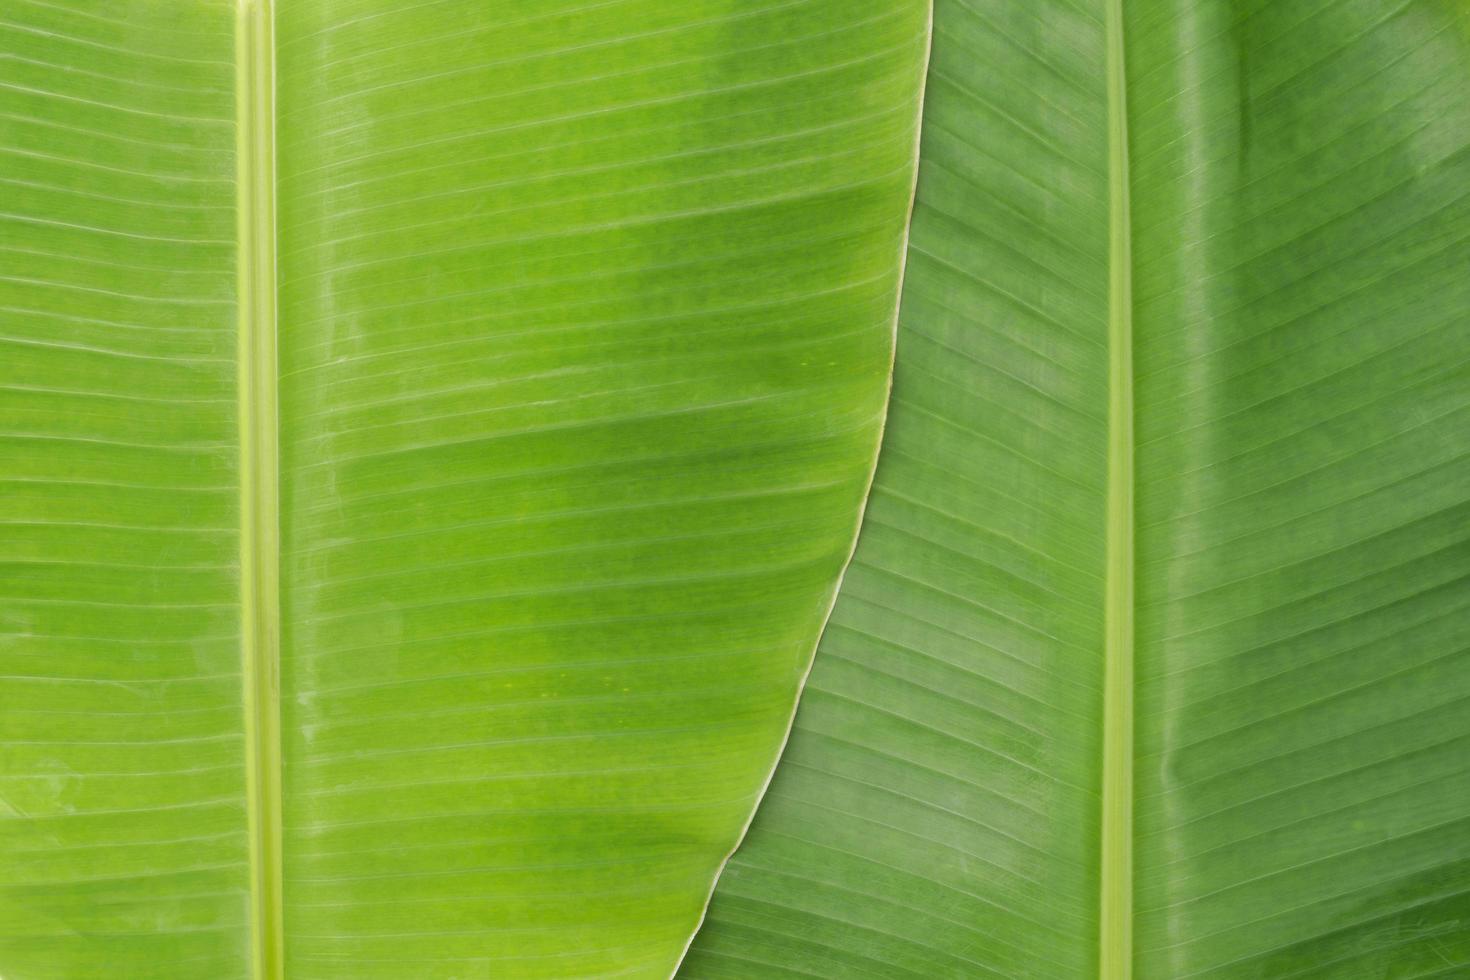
(259, 479)
(1115, 952)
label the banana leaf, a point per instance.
(1256, 572)
(434, 434)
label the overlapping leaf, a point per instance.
(585, 314)
(1301, 326)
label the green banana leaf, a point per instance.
(433, 434)
(1292, 184)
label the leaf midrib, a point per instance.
(259, 480)
(1115, 923)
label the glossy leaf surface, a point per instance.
(552, 340)
(123, 847)
(585, 325)
(1298, 176)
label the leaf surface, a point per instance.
(583, 337)
(1296, 247)
(123, 848)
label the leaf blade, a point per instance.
(1299, 320)
(586, 328)
(1318, 357)
(121, 792)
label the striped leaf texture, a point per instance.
(434, 437)
(1295, 227)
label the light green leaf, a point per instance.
(1294, 235)
(543, 474)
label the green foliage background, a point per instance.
(559, 368)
